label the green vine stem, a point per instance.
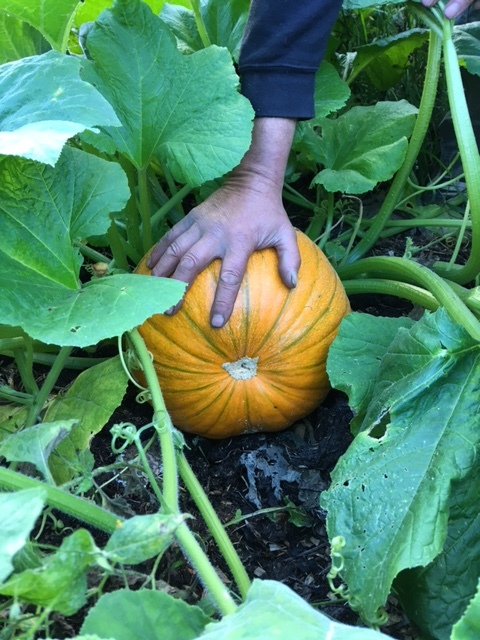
(404, 290)
(469, 155)
(162, 419)
(421, 125)
(214, 524)
(144, 201)
(114, 240)
(170, 204)
(200, 23)
(185, 537)
(414, 273)
(205, 570)
(88, 252)
(41, 397)
(132, 218)
(83, 510)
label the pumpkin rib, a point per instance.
(287, 301)
(203, 335)
(308, 329)
(185, 350)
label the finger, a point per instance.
(456, 7)
(173, 254)
(231, 275)
(288, 258)
(171, 236)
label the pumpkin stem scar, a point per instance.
(242, 369)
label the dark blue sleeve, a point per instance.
(282, 47)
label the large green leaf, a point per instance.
(436, 596)
(389, 496)
(36, 443)
(19, 512)
(89, 10)
(468, 627)
(224, 23)
(272, 610)
(142, 537)
(365, 4)
(91, 399)
(60, 582)
(368, 337)
(43, 103)
(467, 43)
(385, 60)
(364, 146)
(52, 18)
(185, 109)
(43, 210)
(18, 39)
(145, 615)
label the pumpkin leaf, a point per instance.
(144, 612)
(224, 23)
(364, 146)
(89, 10)
(12, 419)
(142, 537)
(43, 103)
(272, 610)
(425, 403)
(36, 443)
(467, 41)
(52, 18)
(385, 60)
(184, 109)
(60, 582)
(435, 597)
(468, 627)
(44, 210)
(19, 512)
(369, 338)
(18, 39)
(91, 399)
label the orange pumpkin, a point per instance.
(265, 368)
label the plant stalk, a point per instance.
(79, 508)
(214, 524)
(41, 397)
(144, 201)
(200, 23)
(469, 155)
(414, 273)
(421, 125)
(164, 429)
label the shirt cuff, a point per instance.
(280, 93)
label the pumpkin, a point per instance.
(265, 368)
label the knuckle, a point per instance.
(189, 263)
(230, 277)
(174, 250)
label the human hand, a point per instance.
(246, 214)
(453, 8)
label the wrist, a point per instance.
(267, 157)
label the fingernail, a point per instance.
(294, 278)
(170, 312)
(217, 321)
